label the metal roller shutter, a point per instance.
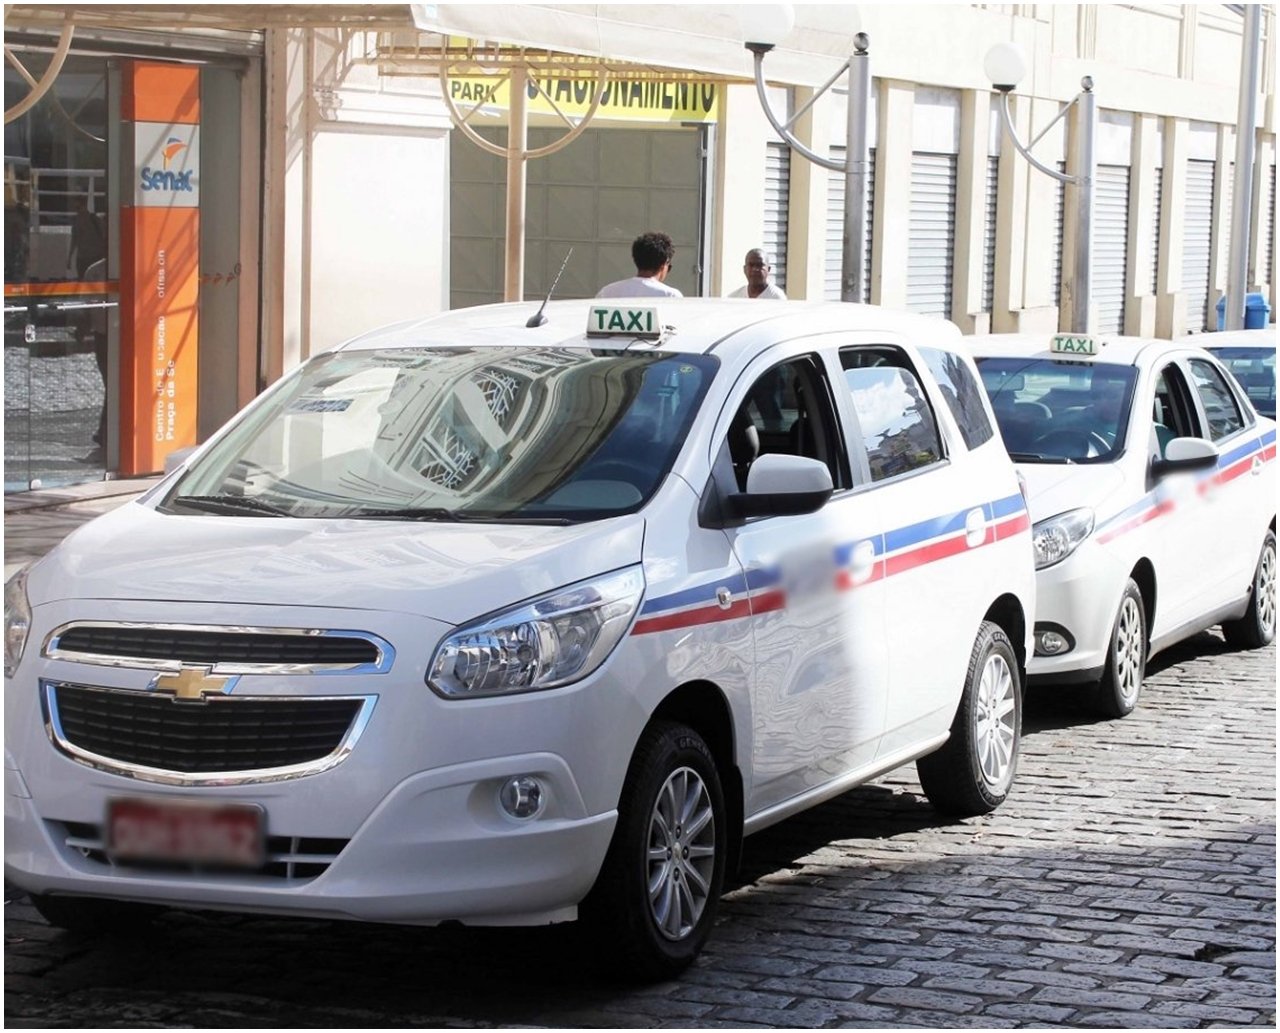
(1110, 245)
(1155, 234)
(1269, 260)
(777, 207)
(835, 227)
(1224, 237)
(1197, 236)
(989, 235)
(1059, 220)
(931, 233)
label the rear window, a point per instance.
(1059, 411)
(964, 396)
(494, 434)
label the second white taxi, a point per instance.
(1153, 494)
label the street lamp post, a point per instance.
(853, 276)
(1005, 66)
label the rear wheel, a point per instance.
(1117, 694)
(1257, 627)
(655, 899)
(92, 915)
(973, 771)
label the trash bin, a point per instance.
(1257, 313)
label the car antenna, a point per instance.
(538, 318)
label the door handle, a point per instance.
(975, 528)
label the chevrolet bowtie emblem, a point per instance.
(192, 683)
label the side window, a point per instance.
(1173, 413)
(899, 431)
(962, 393)
(787, 411)
(1219, 403)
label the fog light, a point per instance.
(1051, 644)
(522, 797)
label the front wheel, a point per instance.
(654, 902)
(1257, 627)
(1117, 694)
(973, 771)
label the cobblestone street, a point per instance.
(1129, 881)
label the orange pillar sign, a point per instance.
(159, 263)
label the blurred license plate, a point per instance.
(196, 833)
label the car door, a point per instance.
(818, 615)
(1176, 528)
(937, 510)
(1236, 492)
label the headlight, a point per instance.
(554, 640)
(17, 621)
(1058, 537)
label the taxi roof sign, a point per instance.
(1076, 344)
(624, 321)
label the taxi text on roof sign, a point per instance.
(1075, 344)
(623, 321)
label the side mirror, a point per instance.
(175, 459)
(782, 485)
(1186, 455)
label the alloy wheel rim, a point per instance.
(996, 731)
(681, 854)
(1129, 650)
(1266, 589)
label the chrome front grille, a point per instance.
(288, 857)
(221, 740)
(225, 649)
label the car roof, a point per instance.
(727, 327)
(1241, 339)
(1116, 349)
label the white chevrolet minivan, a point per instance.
(480, 620)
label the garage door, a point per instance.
(777, 207)
(1110, 246)
(1059, 221)
(595, 196)
(1197, 236)
(835, 227)
(931, 234)
(1153, 274)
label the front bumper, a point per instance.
(1080, 594)
(407, 827)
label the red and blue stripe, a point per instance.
(1157, 503)
(894, 552)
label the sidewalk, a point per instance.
(35, 521)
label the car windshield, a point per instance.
(1059, 411)
(1255, 369)
(486, 434)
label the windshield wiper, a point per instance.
(1036, 457)
(235, 504)
(407, 513)
(456, 516)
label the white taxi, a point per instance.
(480, 620)
(1153, 493)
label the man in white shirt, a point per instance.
(652, 254)
(757, 268)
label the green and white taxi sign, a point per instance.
(1075, 344)
(623, 321)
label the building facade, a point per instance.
(330, 192)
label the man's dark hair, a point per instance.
(651, 251)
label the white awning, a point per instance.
(705, 38)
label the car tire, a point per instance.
(1257, 628)
(1117, 693)
(655, 899)
(973, 771)
(91, 914)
